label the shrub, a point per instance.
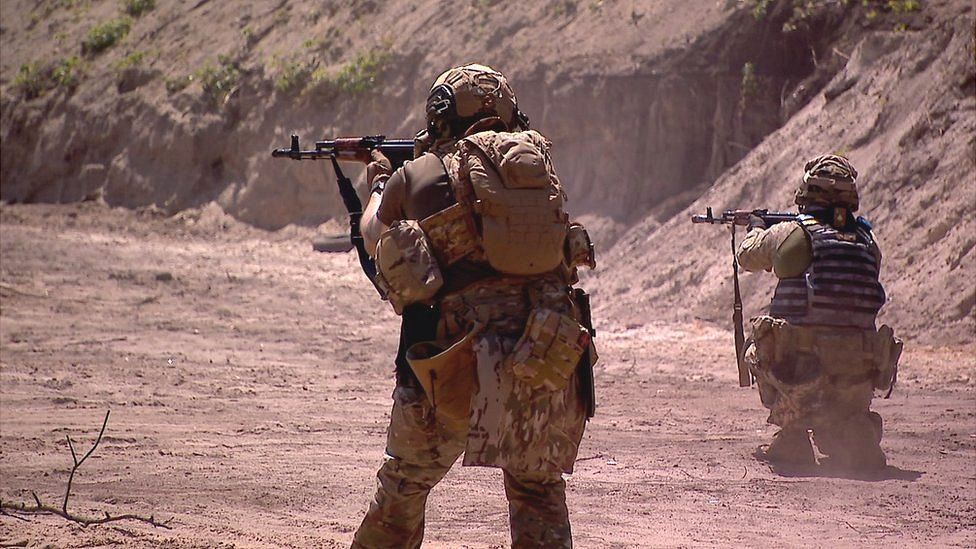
(293, 76)
(134, 59)
(217, 82)
(34, 79)
(178, 83)
(30, 80)
(65, 73)
(135, 8)
(106, 35)
(360, 74)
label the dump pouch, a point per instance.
(549, 350)
(446, 372)
(406, 268)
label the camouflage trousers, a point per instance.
(820, 383)
(420, 449)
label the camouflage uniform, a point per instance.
(817, 358)
(532, 434)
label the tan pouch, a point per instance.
(446, 374)
(406, 269)
(764, 333)
(452, 234)
(549, 350)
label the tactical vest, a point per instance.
(840, 287)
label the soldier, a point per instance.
(817, 357)
(474, 227)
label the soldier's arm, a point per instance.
(783, 248)
(385, 206)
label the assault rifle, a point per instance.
(734, 218)
(352, 149)
(741, 217)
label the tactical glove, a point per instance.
(378, 171)
(756, 222)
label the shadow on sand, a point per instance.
(826, 470)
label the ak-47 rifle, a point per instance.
(352, 149)
(734, 218)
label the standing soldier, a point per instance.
(817, 357)
(475, 228)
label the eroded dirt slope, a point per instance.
(904, 110)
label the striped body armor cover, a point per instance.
(840, 287)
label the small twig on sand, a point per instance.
(40, 508)
(16, 290)
(96, 341)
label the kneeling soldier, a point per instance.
(818, 357)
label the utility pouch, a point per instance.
(889, 351)
(446, 373)
(549, 350)
(765, 330)
(787, 352)
(452, 234)
(406, 268)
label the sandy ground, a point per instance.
(248, 380)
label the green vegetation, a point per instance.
(749, 86)
(218, 82)
(293, 76)
(65, 73)
(135, 8)
(34, 79)
(805, 10)
(759, 9)
(30, 80)
(134, 59)
(106, 35)
(178, 83)
(359, 75)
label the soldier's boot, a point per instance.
(854, 443)
(790, 446)
(537, 510)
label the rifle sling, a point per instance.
(350, 199)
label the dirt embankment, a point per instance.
(644, 98)
(654, 106)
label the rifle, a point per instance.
(734, 218)
(352, 149)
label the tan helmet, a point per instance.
(828, 180)
(466, 95)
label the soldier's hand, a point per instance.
(756, 222)
(380, 166)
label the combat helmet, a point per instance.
(830, 181)
(472, 94)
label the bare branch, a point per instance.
(71, 477)
(15, 509)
